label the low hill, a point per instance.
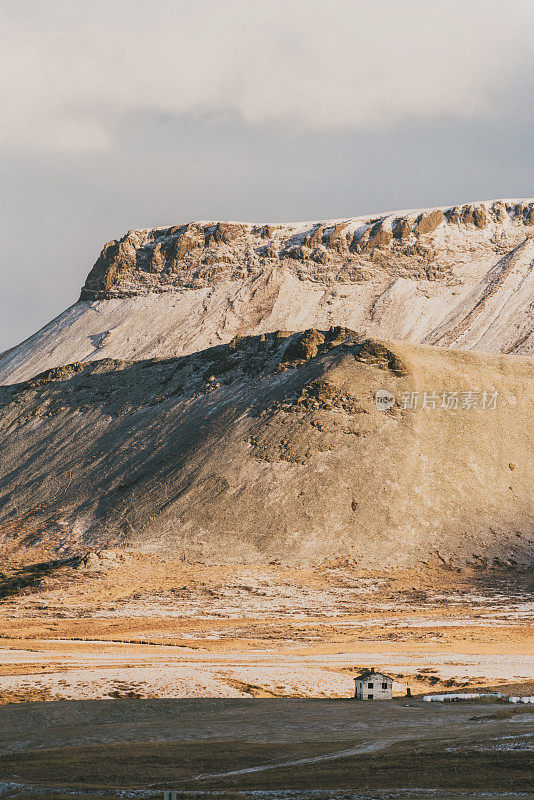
(272, 448)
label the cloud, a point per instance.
(74, 72)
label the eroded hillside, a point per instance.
(272, 448)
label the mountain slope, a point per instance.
(272, 448)
(458, 277)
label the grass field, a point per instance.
(266, 748)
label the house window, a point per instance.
(370, 685)
(384, 686)
(369, 696)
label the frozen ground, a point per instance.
(177, 672)
(241, 632)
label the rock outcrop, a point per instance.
(459, 277)
(414, 245)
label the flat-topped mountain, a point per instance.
(458, 277)
(273, 448)
(415, 245)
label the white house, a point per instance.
(372, 685)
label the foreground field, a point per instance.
(271, 748)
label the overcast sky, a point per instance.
(118, 114)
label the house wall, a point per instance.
(371, 688)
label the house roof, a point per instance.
(371, 673)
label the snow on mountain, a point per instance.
(460, 277)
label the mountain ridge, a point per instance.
(458, 276)
(197, 254)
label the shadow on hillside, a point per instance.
(31, 575)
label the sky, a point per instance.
(120, 114)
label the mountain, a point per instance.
(170, 410)
(457, 277)
(272, 448)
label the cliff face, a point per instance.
(273, 448)
(458, 277)
(424, 245)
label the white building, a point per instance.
(372, 685)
